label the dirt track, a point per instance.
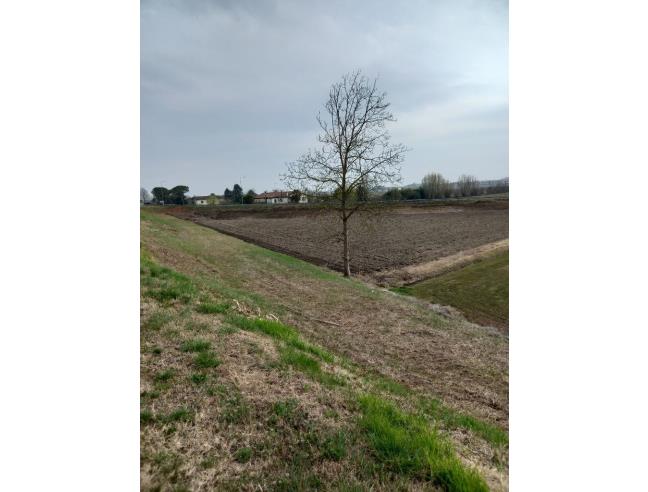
(413, 273)
(387, 239)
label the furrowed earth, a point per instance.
(264, 372)
(382, 238)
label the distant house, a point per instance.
(206, 200)
(278, 197)
(200, 200)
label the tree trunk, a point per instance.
(345, 235)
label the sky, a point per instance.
(230, 89)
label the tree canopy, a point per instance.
(177, 194)
(161, 194)
(249, 197)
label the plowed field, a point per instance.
(386, 238)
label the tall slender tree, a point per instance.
(237, 194)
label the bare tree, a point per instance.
(355, 149)
(145, 196)
(434, 185)
(467, 185)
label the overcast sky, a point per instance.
(231, 89)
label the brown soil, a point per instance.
(382, 239)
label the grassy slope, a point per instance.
(463, 365)
(479, 290)
(232, 397)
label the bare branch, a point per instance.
(356, 148)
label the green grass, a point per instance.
(309, 366)
(311, 349)
(243, 455)
(198, 378)
(166, 294)
(454, 420)
(165, 285)
(195, 345)
(212, 308)
(146, 417)
(289, 413)
(334, 446)
(164, 376)
(391, 386)
(157, 320)
(479, 290)
(406, 445)
(285, 409)
(151, 395)
(301, 361)
(275, 329)
(279, 331)
(205, 360)
(179, 415)
(435, 410)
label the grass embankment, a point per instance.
(233, 398)
(479, 290)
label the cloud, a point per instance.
(233, 87)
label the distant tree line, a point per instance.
(434, 185)
(175, 195)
